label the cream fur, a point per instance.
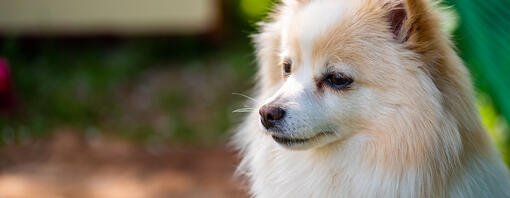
(407, 127)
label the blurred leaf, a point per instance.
(483, 38)
(484, 41)
(495, 124)
(255, 8)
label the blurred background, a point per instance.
(119, 98)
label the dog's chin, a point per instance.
(300, 143)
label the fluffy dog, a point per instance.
(364, 98)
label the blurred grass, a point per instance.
(84, 84)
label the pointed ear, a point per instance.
(416, 22)
(397, 17)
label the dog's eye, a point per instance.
(338, 81)
(286, 68)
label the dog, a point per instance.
(364, 98)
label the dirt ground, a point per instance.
(79, 167)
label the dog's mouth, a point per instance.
(288, 141)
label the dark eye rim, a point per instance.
(338, 80)
(286, 67)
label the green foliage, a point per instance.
(91, 84)
(483, 38)
(255, 8)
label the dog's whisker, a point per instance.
(243, 95)
(244, 110)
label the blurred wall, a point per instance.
(108, 16)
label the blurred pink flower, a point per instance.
(7, 99)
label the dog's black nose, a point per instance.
(270, 114)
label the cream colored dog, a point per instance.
(364, 98)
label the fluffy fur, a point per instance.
(406, 127)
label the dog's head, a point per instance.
(342, 64)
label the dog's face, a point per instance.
(340, 68)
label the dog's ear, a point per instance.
(396, 17)
(412, 20)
